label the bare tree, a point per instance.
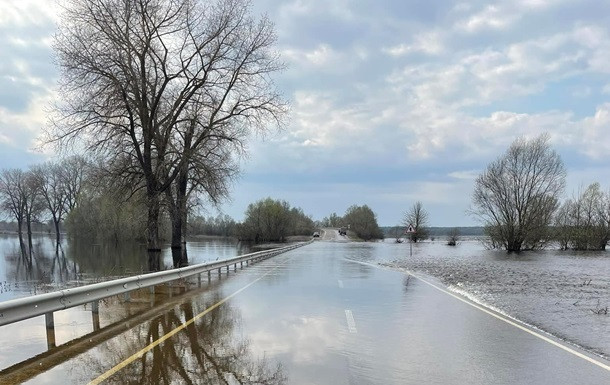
(454, 236)
(50, 184)
(417, 217)
(146, 82)
(73, 172)
(517, 195)
(12, 198)
(583, 223)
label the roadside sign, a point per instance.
(410, 230)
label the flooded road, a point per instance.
(310, 316)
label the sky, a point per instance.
(391, 101)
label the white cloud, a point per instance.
(429, 43)
(25, 13)
(491, 17)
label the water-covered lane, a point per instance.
(315, 315)
(563, 293)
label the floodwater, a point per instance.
(319, 314)
(564, 293)
(79, 262)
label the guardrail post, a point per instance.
(209, 275)
(219, 272)
(241, 264)
(95, 315)
(227, 269)
(199, 280)
(235, 267)
(50, 323)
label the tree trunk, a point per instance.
(178, 211)
(30, 243)
(21, 241)
(57, 233)
(180, 257)
(176, 230)
(152, 224)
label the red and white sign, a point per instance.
(410, 230)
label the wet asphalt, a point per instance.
(310, 316)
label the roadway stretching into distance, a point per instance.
(319, 314)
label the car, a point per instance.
(316, 235)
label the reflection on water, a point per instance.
(207, 351)
(48, 267)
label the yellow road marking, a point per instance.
(146, 349)
(505, 319)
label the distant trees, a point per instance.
(148, 85)
(583, 223)
(518, 194)
(221, 225)
(417, 217)
(362, 221)
(333, 220)
(270, 220)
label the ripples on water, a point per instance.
(560, 292)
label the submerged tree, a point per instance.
(517, 195)
(147, 82)
(417, 217)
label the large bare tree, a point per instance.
(147, 82)
(517, 195)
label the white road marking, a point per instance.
(351, 324)
(500, 317)
(340, 283)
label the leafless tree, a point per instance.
(207, 174)
(20, 197)
(50, 184)
(73, 171)
(12, 198)
(517, 195)
(583, 223)
(454, 236)
(417, 217)
(147, 82)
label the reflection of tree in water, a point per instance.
(205, 352)
(39, 269)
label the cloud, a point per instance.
(428, 43)
(389, 103)
(491, 17)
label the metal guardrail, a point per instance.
(23, 308)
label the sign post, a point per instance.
(408, 231)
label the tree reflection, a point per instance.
(38, 269)
(207, 351)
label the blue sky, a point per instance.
(391, 101)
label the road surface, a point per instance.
(310, 316)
